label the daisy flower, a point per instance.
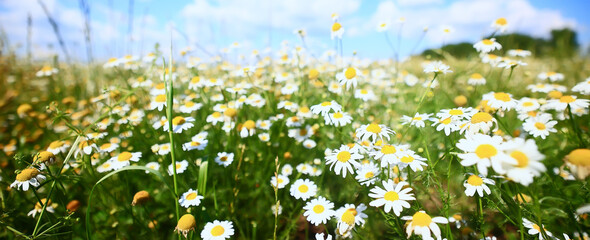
(289, 88)
(338, 119)
(422, 224)
(152, 165)
(519, 53)
(105, 167)
(552, 76)
(484, 151)
(336, 31)
(224, 158)
(480, 121)
(180, 124)
(445, 124)
(57, 147)
(528, 160)
(411, 159)
(265, 137)
(509, 63)
(46, 71)
(320, 236)
(562, 103)
(123, 159)
(287, 170)
(364, 94)
(367, 174)
(180, 167)
(475, 183)
(39, 208)
(190, 198)
(534, 229)
(215, 118)
(325, 107)
(27, 177)
(343, 159)
(318, 211)
(526, 104)
(190, 106)
(195, 143)
(417, 120)
(491, 59)
(500, 100)
(303, 189)
(158, 102)
(382, 27)
(108, 147)
(476, 79)
(583, 87)
(348, 77)
(487, 45)
(309, 144)
(437, 67)
(394, 197)
(500, 24)
(350, 216)
(282, 181)
(217, 230)
(540, 126)
(388, 154)
(374, 131)
(540, 87)
(288, 105)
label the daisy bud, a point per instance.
(73, 205)
(460, 100)
(185, 224)
(140, 198)
(44, 157)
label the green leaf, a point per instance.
(202, 187)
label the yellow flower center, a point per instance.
(56, 144)
(521, 158)
(550, 74)
(475, 180)
(348, 216)
(579, 157)
(313, 74)
(476, 76)
(407, 159)
(363, 91)
(338, 115)
(105, 146)
(178, 120)
(487, 42)
(369, 175)
(502, 96)
(223, 159)
(391, 196)
(336, 26)
(350, 73)
(481, 117)
(27, 174)
(388, 149)
(446, 121)
(191, 196)
(527, 104)
(374, 128)
(217, 231)
(160, 86)
(124, 156)
(540, 126)
(249, 124)
(303, 188)
(421, 219)
(486, 151)
(343, 156)
(318, 209)
(161, 98)
(501, 21)
(567, 99)
(324, 104)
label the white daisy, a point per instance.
(217, 230)
(123, 159)
(190, 198)
(303, 189)
(487, 45)
(484, 151)
(224, 158)
(528, 160)
(540, 126)
(417, 120)
(27, 177)
(318, 211)
(373, 131)
(180, 167)
(180, 124)
(350, 216)
(500, 100)
(562, 103)
(348, 77)
(411, 159)
(583, 87)
(343, 160)
(422, 224)
(367, 174)
(281, 180)
(338, 119)
(394, 197)
(476, 79)
(552, 76)
(475, 183)
(535, 229)
(437, 67)
(325, 107)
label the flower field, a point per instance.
(297, 146)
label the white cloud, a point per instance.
(419, 2)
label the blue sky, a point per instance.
(258, 24)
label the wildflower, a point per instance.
(303, 189)
(214, 118)
(388, 154)
(528, 160)
(108, 147)
(374, 131)
(487, 45)
(186, 223)
(476, 79)
(437, 67)
(158, 102)
(583, 87)
(500, 100)
(289, 88)
(350, 216)
(279, 182)
(475, 183)
(190, 198)
(217, 230)
(519, 53)
(348, 77)
(190, 106)
(123, 159)
(484, 151)
(318, 211)
(336, 31)
(422, 224)
(411, 159)
(248, 129)
(198, 142)
(224, 158)
(44, 157)
(500, 24)
(39, 208)
(46, 71)
(180, 124)
(552, 76)
(367, 174)
(535, 229)
(540, 126)
(153, 165)
(394, 196)
(480, 121)
(27, 177)
(288, 105)
(180, 167)
(364, 94)
(57, 147)
(287, 170)
(562, 103)
(509, 63)
(445, 124)
(325, 107)
(309, 144)
(343, 159)
(320, 236)
(105, 167)
(140, 197)
(417, 120)
(578, 161)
